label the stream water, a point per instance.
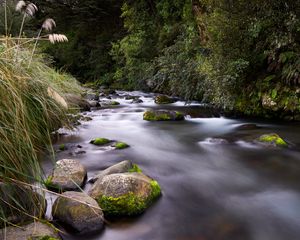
(212, 190)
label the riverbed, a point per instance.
(216, 183)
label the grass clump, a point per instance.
(121, 145)
(32, 106)
(100, 141)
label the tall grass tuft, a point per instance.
(28, 115)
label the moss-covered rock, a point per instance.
(272, 139)
(122, 167)
(62, 147)
(125, 194)
(163, 115)
(33, 231)
(100, 141)
(78, 211)
(121, 145)
(68, 174)
(162, 99)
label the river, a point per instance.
(211, 190)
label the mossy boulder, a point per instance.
(76, 101)
(32, 231)
(100, 141)
(78, 211)
(163, 115)
(272, 140)
(68, 174)
(121, 145)
(125, 194)
(162, 99)
(14, 200)
(109, 103)
(122, 167)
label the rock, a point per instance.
(94, 103)
(92, 96)
(125, 194)
(107, 91)
(163, 115)
(121, 167)
(15, 199)
(272, 140)
(137, 101)
(109, 103)
(78, 211)
(75, 101)
(247, 126)
(217, 141)
(121, 145)
(100, 141)
(68, 174)
(129, 97)
(32, 231)
(162, 99)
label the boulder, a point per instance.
(162, 99)
(163, 115)
(78, 211)
(121, 167)
(68, 174)
(94, 103)
(32, 231)
(15, 199)
(76, 101)
(125, 194)
(92, 96)
(129, 97)
(271, 140)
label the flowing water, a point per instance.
(212, 190)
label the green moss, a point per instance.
(100, 141)
(43, 238)
(128, 204)
(115, 103)
(135, 168)
(163, 100)
(155, 190)
(179, 116)
(152, 116)
(121, 145)
(273, 139)
(62, 147)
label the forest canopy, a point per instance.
(241, 55)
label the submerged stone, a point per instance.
(163, 115)
(68, 174)
(125, 194)
(162, 99)
(78, 211)
(272, 139)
